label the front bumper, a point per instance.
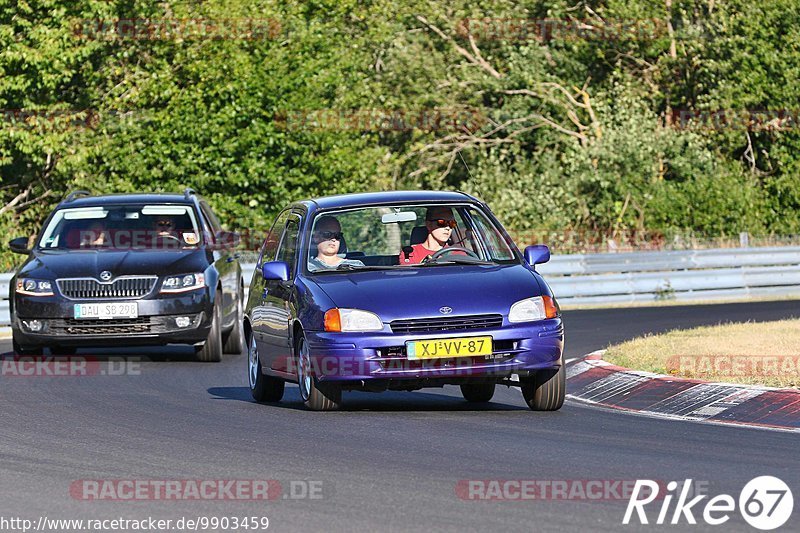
(156, 324)
(519, 349)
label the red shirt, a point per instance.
(418, 254)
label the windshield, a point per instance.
(414, 236)
(126, 226)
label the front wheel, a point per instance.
(234, 343)
(212, 349)
(317, 396)
(478, 392)
(262, 388)
(545, 390)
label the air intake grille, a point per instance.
(73, 326)
(87, 289)
(455, 323)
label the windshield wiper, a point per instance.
(344, 266)
(461, 260)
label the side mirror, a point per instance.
(275, 270)
(19, 245)
(536, 254)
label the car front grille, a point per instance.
(93, 326)
(455, 323)
(88, 288)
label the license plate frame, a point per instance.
(106, 311)
(449, 347)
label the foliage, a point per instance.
(574, 132)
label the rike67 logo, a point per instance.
(765, 503)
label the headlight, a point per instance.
(183, 283)
(34, 287)
(532, 309)
(352, 320)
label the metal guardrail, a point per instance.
(610, 278)
(717, 274)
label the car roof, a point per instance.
(371, 198)
(109, 199)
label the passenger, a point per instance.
(440, 222)
(326, 240)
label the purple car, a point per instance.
(400, 291)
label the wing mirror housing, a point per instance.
(275, 271)
(537, 254)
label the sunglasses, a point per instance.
(328, 235)
(164, 223)
(443, 222)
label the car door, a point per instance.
(276, 297)
(256, 300)
(225, 261)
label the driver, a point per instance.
(440, 222)
(165, 227)
(166, 233)
(326, 241)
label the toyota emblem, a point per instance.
(445, 310)
(105, 275)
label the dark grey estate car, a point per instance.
(126, 270)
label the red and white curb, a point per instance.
(593, 380)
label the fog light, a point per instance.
(34, 326)
(183, 321)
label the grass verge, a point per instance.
(752, 353)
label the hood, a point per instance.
(53, 264)
(421, 292)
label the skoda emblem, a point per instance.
(445, 310)
(105, 275)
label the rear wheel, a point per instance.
(262, 388)
(545, 390)
(212, 349)
(478, 392)
(234, 342)
(317, 396)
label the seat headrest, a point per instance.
(418, 235)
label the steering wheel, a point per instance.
(436, 255)
(165, 236)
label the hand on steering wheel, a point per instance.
(436, 255)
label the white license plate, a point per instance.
(107, 311)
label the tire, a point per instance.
(262, 388)
(545, 391)
(21, 349)
(211, 352)
(234, 341)
(63, 350)
(478, 392)
(316, 396)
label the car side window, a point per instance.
(270, 247)
(212, 219)
(287, 251)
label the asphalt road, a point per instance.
(388, 462)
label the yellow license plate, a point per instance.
(439, 348)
